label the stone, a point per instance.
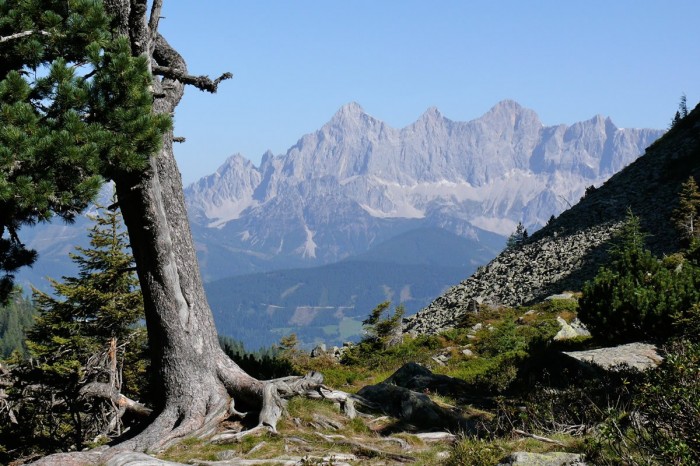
(438, 361)
(640, 356)
(574, 329)
(319, 350)
(559, 296)
(521, 458)
(418, 378)
(536, 270)
(413, 407)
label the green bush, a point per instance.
(669, 403)
(374, 356)
(661, 425)
(637, 296)
(505, 349)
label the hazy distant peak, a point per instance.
(431, 114)
(351, 110)
(507, 105)
(234, 161)
(266, 158)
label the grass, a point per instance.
(195, 449)
(507, 340)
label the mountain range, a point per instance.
(357, 182)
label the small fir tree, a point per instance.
(686, 215)
(637, 296)
(682, 111)
(382, 328)
(15, 318)
(518, 237)
(98, 309)
(683, 106)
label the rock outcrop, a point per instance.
(403, 396)
(640, 356)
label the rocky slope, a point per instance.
(570, 248)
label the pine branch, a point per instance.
(203, 83)
(19, 35)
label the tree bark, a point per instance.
(194, 375)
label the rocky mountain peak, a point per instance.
(510, 112)
(347, 114)
(431, 114)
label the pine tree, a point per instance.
(682, 111)
(91, 312)
(683, 106)
(518, 237)
(686, 217)
(74, 107)
(637, 296)
(381, 328)
(15, 318)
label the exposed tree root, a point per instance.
(365, 450)
(202, 417)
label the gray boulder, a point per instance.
(640, 356)
(420, 379)
(319, 350)
(570, 330)
(403, 395)
(521, 458)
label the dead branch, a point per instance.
(107, 392)
(155, 17)
(436, 436)
(203, 83)
(366, 450)
(538, 437)
(231, 436)
(19, 35)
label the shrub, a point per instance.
(635, 297)
(669, 404)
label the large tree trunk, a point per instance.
(196, 379)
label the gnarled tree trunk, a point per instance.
(197, 380)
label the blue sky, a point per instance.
(296, 62)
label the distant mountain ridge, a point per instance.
(358, 181)
(328, 303)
